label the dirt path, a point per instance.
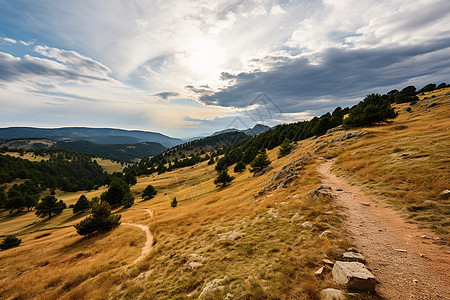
(149, 237)
(402, 257)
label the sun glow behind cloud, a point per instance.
(166, 66)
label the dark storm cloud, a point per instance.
(340, 74)
(166, 95)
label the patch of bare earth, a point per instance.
(407, 261)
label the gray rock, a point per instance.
(195, 265)
(322, 191)
(338, 128)
(211, 286)
(353, 256)
(263, 171)
(332, 294)
(351, 134)
(354, 275)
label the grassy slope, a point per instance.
(273, 256)
(407, 162)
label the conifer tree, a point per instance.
(260, 162)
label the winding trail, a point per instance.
(149, 237)
(403, 258)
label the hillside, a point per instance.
(122, 152)
(261, 237)
(96, 135)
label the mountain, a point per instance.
(96, 135)
(257, 129)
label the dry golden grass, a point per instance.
(272, 256)
(407, 162)
(110, 166)
(28, 155)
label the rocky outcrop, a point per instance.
(262, 171)
(323, 191)
(334, 129)
(349, 135)
(354, 275)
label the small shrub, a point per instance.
(239, 168)
(10, 241)
(174, 202)
(149, 192)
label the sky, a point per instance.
(185, 68)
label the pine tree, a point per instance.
(81, 205)
(260, 162)
(174, 202)
(49, 206)
(100, 220)
(223, 178)
(285, 148)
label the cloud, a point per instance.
(166, 95)
(67, 66)
(26, 43)
(12, 41)
(296, 84)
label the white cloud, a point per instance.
(12, 41)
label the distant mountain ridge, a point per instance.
(257, 129)
(95, 135)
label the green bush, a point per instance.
(239, 167)
(101, 220)
(372, 109)
(10, 241)
(149, 192)
(174, 202)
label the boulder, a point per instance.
(322, 191)
(332, 294)
(354, 275)
(353, 256)
(218, 283)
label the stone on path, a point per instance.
(354, 275)
(353, 256)
(332, 294)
